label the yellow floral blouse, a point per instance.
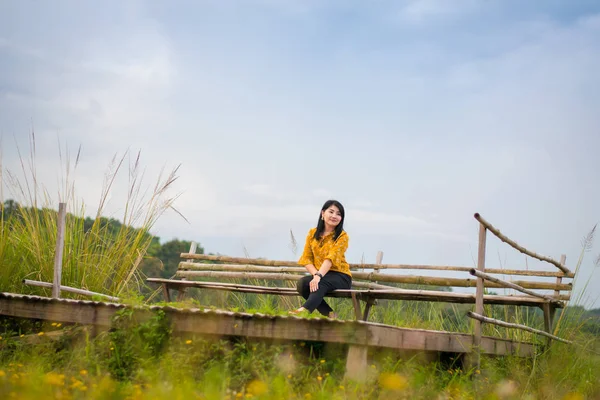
(317, 251)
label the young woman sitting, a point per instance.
(324, 257)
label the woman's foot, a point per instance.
(298, 311)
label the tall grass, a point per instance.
(96, 258)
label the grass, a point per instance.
(136, 360)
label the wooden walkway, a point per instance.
(261, 326)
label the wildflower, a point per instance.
(112, 348)
(319, 378)
(373, 366)
(392, 381)
(239, 395)
(257, 387)
(41, 334)
(322, 361)
(308, 395)
(58, 325)
(53, 324)
(54, 379)
(83, 372)
(22, 335)
(289, 376)
(573, 396)
(188, 342)
(83, 388)
(341, 387)
(327, 374)
(2, 374)
(0, 337)
(477, 372)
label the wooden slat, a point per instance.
(69, 289)
(405, 279)
(518, 247)
(510, 285)
(276, 263)
(209, 322)
(515, 326)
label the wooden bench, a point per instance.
(371, 282)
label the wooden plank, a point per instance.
(165, 290)
(518, 247)
(511, 285)
(58, 251)
(362, 266)
(396, 294)
(69, 289)
(479, 296)
(406, 279)
(515, 326)
(259, 326)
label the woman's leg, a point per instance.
(303, 286)
(331, 281)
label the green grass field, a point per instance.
(148, 361)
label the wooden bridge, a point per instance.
(358, 335)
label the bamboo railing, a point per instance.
(485, 279)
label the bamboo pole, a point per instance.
(264, 272)
(266, 276)
(518, 247)
(515, 326)
(58, 252)
(69, 289)
(389, 293)
(274, 263)
(485, 276)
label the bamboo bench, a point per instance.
(370, 286)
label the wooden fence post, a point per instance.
(549, 309)
(479, 294)
(58, 252)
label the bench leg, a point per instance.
(549, 311)
(356, 304)
(166, 294)
(370, 303)
(181, 294)
(356, 363)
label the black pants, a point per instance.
(315, 300)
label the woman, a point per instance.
(324, 257)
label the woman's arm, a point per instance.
(307, 259)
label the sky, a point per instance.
(414, 114)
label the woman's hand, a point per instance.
(314, 284)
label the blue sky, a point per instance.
(415, 114)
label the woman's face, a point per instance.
(332, 216)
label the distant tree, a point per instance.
(163, 259)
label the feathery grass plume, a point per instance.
(293, 243)
(101, 254)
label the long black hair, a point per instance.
(321, 224)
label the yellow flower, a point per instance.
(188, 342)
(477, 372)
(341, 387)
(54, 379)
(2, 373)
(41, 334)
(22, 335)
(83, 388)
(319, 378)
(322, 361)
(257, 387)
(327, 374)
(0, 337)
(289, 376)
(83, 372)
(239, 395)
(392, 381)
(58, 325)
(573, 396)
(53, 324)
